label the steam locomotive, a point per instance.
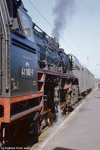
(36, 75)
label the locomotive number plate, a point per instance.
(27, 72)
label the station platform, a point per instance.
(82, 131)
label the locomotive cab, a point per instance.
(19, 93)
(18, 55)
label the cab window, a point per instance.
(26, 24)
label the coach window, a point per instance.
(26, 24)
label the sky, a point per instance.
(81, 35)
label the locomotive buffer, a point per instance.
(82, 130)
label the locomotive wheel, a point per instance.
(49, 119)
(70, 108)
(74, 95)
(37, 127)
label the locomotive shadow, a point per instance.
(61, 148)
